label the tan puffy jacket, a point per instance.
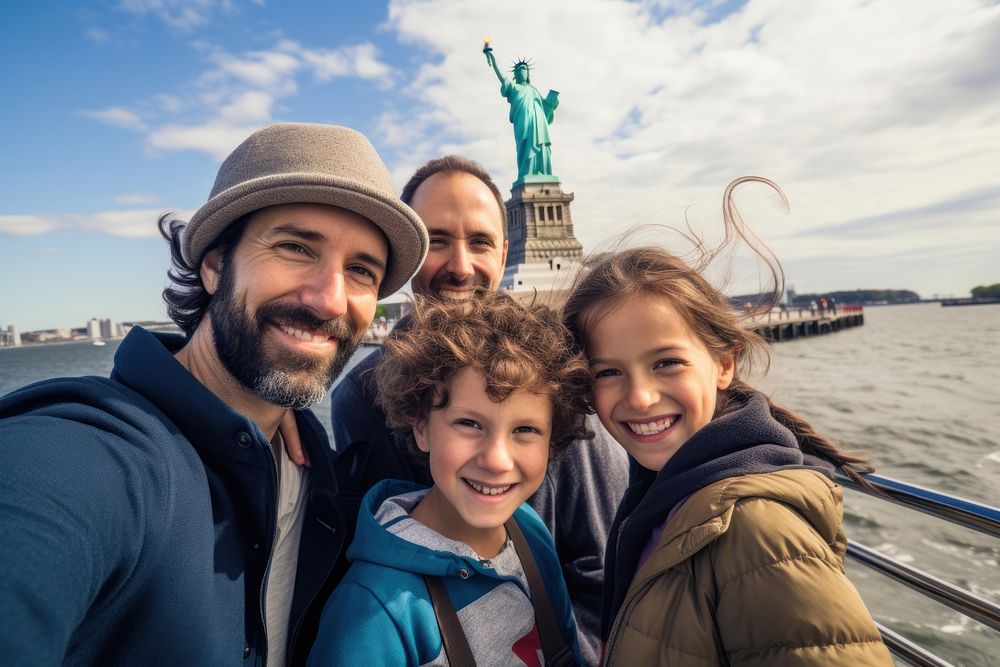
(749, 571)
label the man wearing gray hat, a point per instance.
(154, 516)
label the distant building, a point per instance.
(103, 328)
(49, 335)
(109, 329)
(10, 337)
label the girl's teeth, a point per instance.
(651, 428)
(489, 490)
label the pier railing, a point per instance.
(969, 514)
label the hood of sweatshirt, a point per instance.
(415, 548)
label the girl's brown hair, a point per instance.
(515, 347)
(653, 271)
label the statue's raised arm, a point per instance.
(492, 61)
(530, 114)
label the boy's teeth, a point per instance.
(651, 428)
(489, 490)
(303, 335)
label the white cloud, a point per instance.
(239, 93)
(97, 35)
(248, 107)
(28, 225)
(129, 223)
(858, 108)
(359, 60)
(169, 103)
(118, 117)
(179, 14)
(136, 199)
(218, 139)
(265, 70)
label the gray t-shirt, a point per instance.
(293, 484)
(494, 623)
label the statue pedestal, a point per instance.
(534, 180)
(543, 254)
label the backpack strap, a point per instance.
(557, 652)
(456, 646)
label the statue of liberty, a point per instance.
(531, 114)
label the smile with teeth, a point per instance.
(457, 294)
(653, 427)
(487, 490)
(303, 335)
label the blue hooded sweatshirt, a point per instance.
(381, 613)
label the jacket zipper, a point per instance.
(314, 503)
(631, 596)
(618, 616)
(298, 622)
(270, 555)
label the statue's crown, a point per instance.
(523, 61)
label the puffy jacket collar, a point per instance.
(707, 514)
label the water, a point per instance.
(916, 387)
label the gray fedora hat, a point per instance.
(306, 163)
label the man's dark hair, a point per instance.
(453, 164)
(186, 297)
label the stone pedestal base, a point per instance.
(557, 275)
(543, 253)
(539, 224)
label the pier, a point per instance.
(974, 301)
(778, 326)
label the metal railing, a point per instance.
(976, 516)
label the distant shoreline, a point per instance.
(57, 342)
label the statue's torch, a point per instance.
(486, 45)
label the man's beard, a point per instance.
(290, 380)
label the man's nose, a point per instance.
(460, 262)
(324, 293)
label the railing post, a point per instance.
(966, 513)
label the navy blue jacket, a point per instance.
(137, 516)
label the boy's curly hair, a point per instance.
(515, 347)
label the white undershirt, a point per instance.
(293, 484)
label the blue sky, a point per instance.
(879, 118)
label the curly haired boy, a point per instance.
(489, 390)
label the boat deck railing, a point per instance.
(969, 514)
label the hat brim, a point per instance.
(402, 227)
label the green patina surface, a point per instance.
(531, 114)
